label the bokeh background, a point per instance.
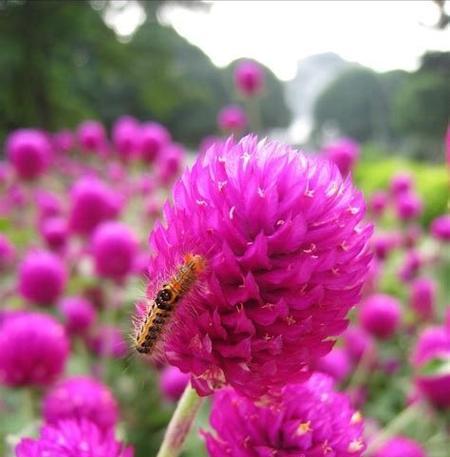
(375, 72)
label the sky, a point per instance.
(383, 35)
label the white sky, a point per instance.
(383, 34)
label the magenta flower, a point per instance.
(153, 139)
(232, 118)
(431, 359)
(91, 136)
(400, 446)
(358, 343)
(33, 350)
(29, 152)
(48, 204)
(383, 244)
(411, 265)
(7, 253)
(73, 438)
(170, 163)
(422, 297)
(344, 153)
(440, 228)
(172, 383)
(286, 256)
(63, 141)
(108, 341)
(408, 206)
(92, 202)
(400, 183)
(411, 235)
(380, 315)
(249, 77)
(55, 233)
(81, 397)
(336, 364)
(378, 203)
(42, 277)
(207, 142)
(125, 137)
(79, 314)
(114, 247)
(311, 420)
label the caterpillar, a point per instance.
(161, 310)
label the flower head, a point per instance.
(114, 247)
(358, 343)
(311, 420)
(108, 341)
(422, 297)
(55, 233)
(378, 203)
(440, 228)
(125, 136)
(232, 118)
(154, 138)
(285, 251)
(380, 315)
(79, 314)
(92, 136)
(170, 162)
(400, 183)
(172, 383)
(408, 206)
(344, 153)
(42, 277)
(336, 364)
(33, 350)
(69, 438)
(81, 397)
(400, 446)
(63, 141)
(29, 152)
(249, 77)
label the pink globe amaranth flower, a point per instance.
(380, 315)
(423, 297)
(81, 397)
(172, 383)
(79, 314)
(249, 77)
(433, 346)
(42, 277)
(33, 350)
(48, 204)
(153, 139)
(378, 203)
(207, 142)
(30, 152)
(358, 344)
(55, 233)
(344, 153)
(7, 253)
(63, 141)
(411, 265)
(114, 247)
(140, 266)
(440, 228)
(70, 438)
(336, 364)
(411, 236)
(401, 183)
(383, 244)
(311, 420)
(408, 206)
(286, 255)
(170, 163)
(400, 446)
(126, 137)
(92, 202)
(232, 118)
(92, 136)
(108, 341)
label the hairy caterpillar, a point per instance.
(161, 310)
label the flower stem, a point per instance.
(181, 423)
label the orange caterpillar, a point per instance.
(160, 311)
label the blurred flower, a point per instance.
(55, 232)
(312, 420)
(92, 202)
(400, 446)
(108, 341)
(286, 256)
(140, 266)
(63, 141)
(207, 142)
(401, 183)
(411, 235)
(153, 139)
(440, 228)
(172, 383)
(408, 206)
(92, 136)
(81, 397)
(431, 359)
(383, 244)
(7, 253)
(358, 343)
(249, 77)
(125, 137)
(153, 208)
(344, 153)
(422, 297)
(232, 118)
(73, 438)
(170, 162)
(29, 152)
(114, 247)
(411, 265)
(380, 315)
(5, 172)
(33, 350)
(48, 204)
(335, 364)
(378, 203)
(79, 314)
(42, 277)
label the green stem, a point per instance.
(254, 113)
(181, 423)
